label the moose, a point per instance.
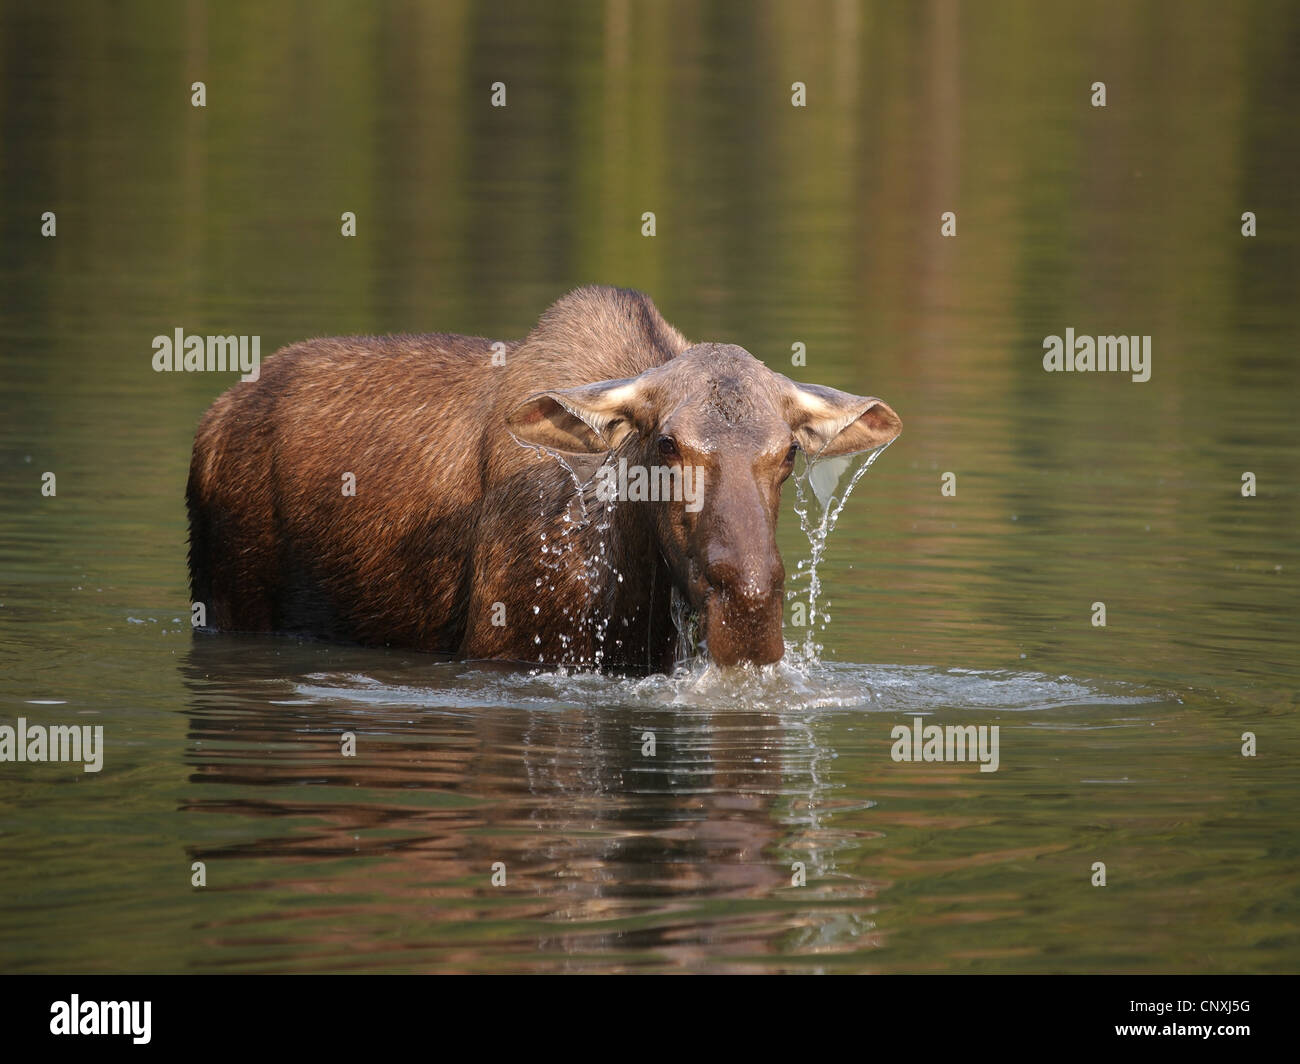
(436, 492)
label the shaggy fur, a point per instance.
(459, 540)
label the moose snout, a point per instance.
(747, 580)
(744, 627)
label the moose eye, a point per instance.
(668, 447)
(794, 450)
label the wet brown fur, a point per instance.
(449, 509)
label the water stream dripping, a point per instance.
(822, 487)
(687, 622)
(595, 570)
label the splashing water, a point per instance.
(687, 623)
(787, 687)
(822, 487)
(594, 568)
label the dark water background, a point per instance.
(776, 225)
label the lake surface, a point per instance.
(775, 226)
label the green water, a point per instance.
(776, 225)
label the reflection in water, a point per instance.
(602, 845)
(650, 855)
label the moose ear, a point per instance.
(827, 422)
(592, 419)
